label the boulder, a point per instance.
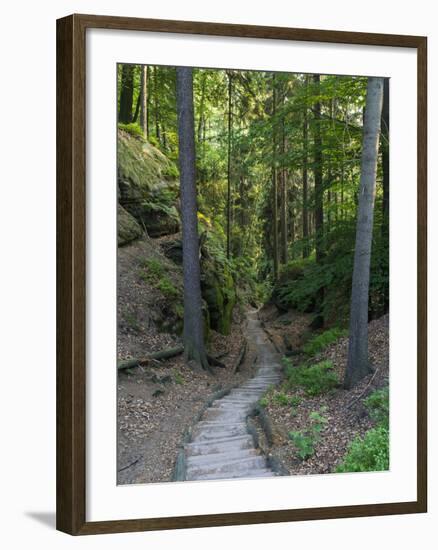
(147, 187)
(128, 229)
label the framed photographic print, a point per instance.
(241, 274)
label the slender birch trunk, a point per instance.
(358, 364)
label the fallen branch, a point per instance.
(129, 465)
(364, 391)
(156, 356)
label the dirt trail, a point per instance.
(221, 446)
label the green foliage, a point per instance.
(321, 341)
(264, 402)
(314, 379)
(177, 377)
(368, 454)
(155, 274)
(377, 404)
(166, 287)
(132, 322)
(371, 453)
(150, 165)
(154, 268)
(133, 129)
(305, 441)
(281, 399)
(295, 400)
(139, 163)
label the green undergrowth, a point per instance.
(325, 287)
(370, 453)
(154, 273)
(139, 162)
(319, 342)
(314, 379)
(306, 440)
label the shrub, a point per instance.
(167, 289)
(316, 379)
(264, 402)
(154, 274)
(321, 341)
(133, 129)
(295, 400)
(377, 404)
(305, 441)
(368, 454)
(281, 399)
(154, 269)
(177, 377)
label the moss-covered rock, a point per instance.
(128, 228)
(147, 187)
(219, 292)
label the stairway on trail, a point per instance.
(221, 447)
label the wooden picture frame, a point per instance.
(71, 273)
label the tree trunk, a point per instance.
(156, 106)
(143, 100)
(194, 347)
(319, 192)
(306, 250)
(384, 140)
(230, 130)
(317, 170)
(201, 123)
(358, 364)
(126, 94)
(148, 98)
(284, 197)
(385, 150)
(137, 106)
(274, 177)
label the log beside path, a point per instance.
(156, 356)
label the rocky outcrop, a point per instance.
(147, 185)
(219, 292)
(217, 284)
(128, 228)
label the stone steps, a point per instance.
(221, 447)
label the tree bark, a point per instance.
(156, 106)
(306, 250)
(201, 123)
(193, 335)
(143, 100)
(148, 99)
(274, 177)
(358, 364)
(126, 94)
(317, 170)
(230, 130)
(283, 194)
(384, 140)
(385, 149)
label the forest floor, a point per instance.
(343, 409)
(157, 403)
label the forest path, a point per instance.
(221, 447)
